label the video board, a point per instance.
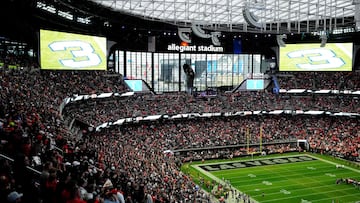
(312, 57)
(69, 51)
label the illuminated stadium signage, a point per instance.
(254, 84)
(137, 85)
(194, 48)
(312, 57)
(68, 51)
(263, 162)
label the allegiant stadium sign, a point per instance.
(194, 48)
(262, 162)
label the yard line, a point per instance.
(261, 177)
(246, 173)
(276, 182)
(296, 196)
(292, 190)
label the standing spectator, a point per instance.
(75, 196)
(24, 178)
(190, 75)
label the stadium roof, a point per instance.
(228, 15)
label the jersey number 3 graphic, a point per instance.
(83, 54)
(317, 59)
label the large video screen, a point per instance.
(68, 51)
(312, 57)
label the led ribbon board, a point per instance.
(68, 51)
(312, 57)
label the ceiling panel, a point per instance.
(229, 12)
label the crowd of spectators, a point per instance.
(95, 112)
(319, 80)
(13, 59)
(327, 134)
(32, 127)
(127, 163)
(137, 151)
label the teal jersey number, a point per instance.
(318, 59)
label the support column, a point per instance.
(357, 14)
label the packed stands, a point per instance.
(319, 80)
(81, 165)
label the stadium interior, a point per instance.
(112, 101)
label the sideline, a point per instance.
(333, 163)
(209, 175)
(222, 182)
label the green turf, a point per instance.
(312, 181)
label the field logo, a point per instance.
(263, 162)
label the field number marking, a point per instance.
(330, 174)
(266, 182)
(252, 175)
(285, 192)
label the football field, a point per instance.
(294, 178)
